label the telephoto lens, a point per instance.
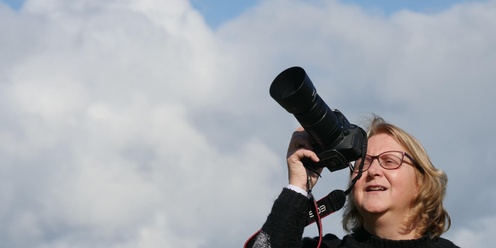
(337, 142)
(294, 91)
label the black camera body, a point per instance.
(337, 141)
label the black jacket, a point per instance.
(287, 220)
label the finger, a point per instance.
(299, 129)
(300, 139)
(304, 153)
(311, 154)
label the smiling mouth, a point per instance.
(375, 188)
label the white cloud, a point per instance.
(477, 233)
(98, 149)
(132, 124)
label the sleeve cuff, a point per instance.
(297, 189)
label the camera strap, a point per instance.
(316, 217)
(331, 203)
(359, 174)
(334, 201)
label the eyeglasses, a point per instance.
(389, 160)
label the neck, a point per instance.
(389, 228)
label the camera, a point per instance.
(337, 141)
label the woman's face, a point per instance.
(382, 193)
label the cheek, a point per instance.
(404, 184)
(357, 192)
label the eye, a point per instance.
(389, 160)
(367, 160)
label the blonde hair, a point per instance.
(427, 215)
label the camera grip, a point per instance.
(331, 159)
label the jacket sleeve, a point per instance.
(285, 224)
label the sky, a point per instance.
(148, 123)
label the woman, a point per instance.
(397, 202)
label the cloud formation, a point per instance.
(133, 124)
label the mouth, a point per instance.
(375, 188)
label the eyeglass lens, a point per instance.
(389, 160)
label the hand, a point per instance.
(300, 147)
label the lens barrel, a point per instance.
(294, 91)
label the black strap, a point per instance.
(333, 202)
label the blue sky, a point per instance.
(15, 4)
(216, 12)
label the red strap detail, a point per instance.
(251, 240)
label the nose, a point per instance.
(375, 167)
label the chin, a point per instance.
(373, 210)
